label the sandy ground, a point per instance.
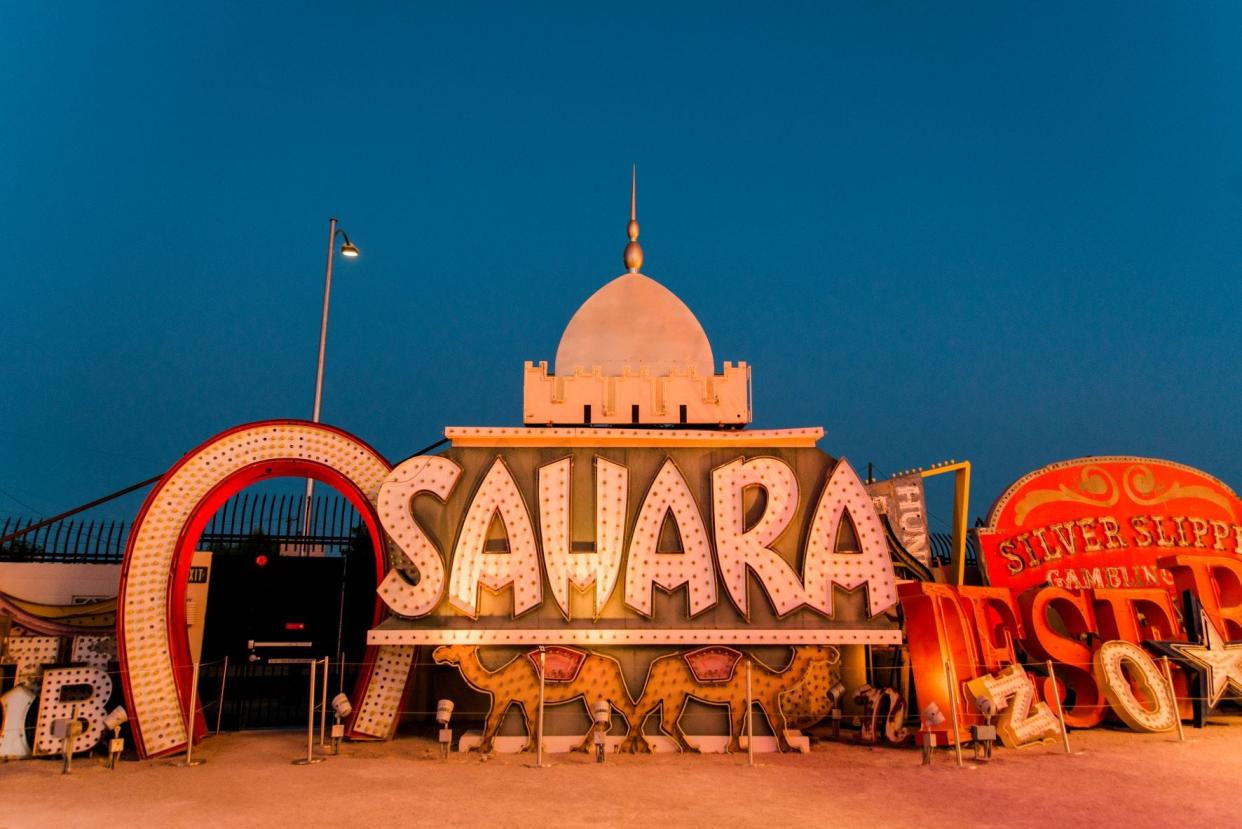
(1113, 778)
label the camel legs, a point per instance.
(532, 725)
(771, 706)
(670, 716)
(588, 741)
(635, 742)
(494, 717)
(737, 715)
(777, 721)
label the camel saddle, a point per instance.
(712, 664)
(561, 664)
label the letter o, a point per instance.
(1111, 663)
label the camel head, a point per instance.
(452, 654)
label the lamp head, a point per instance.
(932, 714)
(116, 718)
(349, 250)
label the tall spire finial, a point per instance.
(633, 250)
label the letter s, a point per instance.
(435, 475)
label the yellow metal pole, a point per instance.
(961, 515)
(310, 757)
(323, 703)
(189, 743)
(310, 714)
(957, 733)
(961, 512)
(224, 675)
(1056, 697)
(543, 667)
(750, 719)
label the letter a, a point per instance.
(845, 496)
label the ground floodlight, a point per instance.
(444, 713)
(116, 718)
(932, 715)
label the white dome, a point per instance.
(634, 321)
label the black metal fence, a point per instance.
(277, 518)
(83, 542)
(942, 549)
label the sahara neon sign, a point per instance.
(501, 543)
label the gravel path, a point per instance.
(1113, 778)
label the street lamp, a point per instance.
(350, 251)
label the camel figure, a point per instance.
(598, 677)
(814, 697)
(670, 684)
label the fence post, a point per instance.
(189, 742)
(750, 718)
(1056, 696)
(953, 694)
(543, 656)
(224, 675)
(310, 757)
(323, 704)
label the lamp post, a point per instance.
(349, 251)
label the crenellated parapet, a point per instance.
(637, 396)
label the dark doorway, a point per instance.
(263, 607)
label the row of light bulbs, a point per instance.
(923, 469)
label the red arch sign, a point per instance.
(153, 648)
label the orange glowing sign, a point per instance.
(1104, 522)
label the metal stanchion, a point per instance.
(543, 663)
(1056, 696)
(323, 707)
(190, 721)
(750, 719)
(310, 757)
(444, 713)
(1177, 715)
(932, 716)
(957, 734)
(905, 673)
(113, 721)
(73, 727)
(224, 675)
(601, 721)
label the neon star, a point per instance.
(1219, 661)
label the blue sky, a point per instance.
(1009, 233)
